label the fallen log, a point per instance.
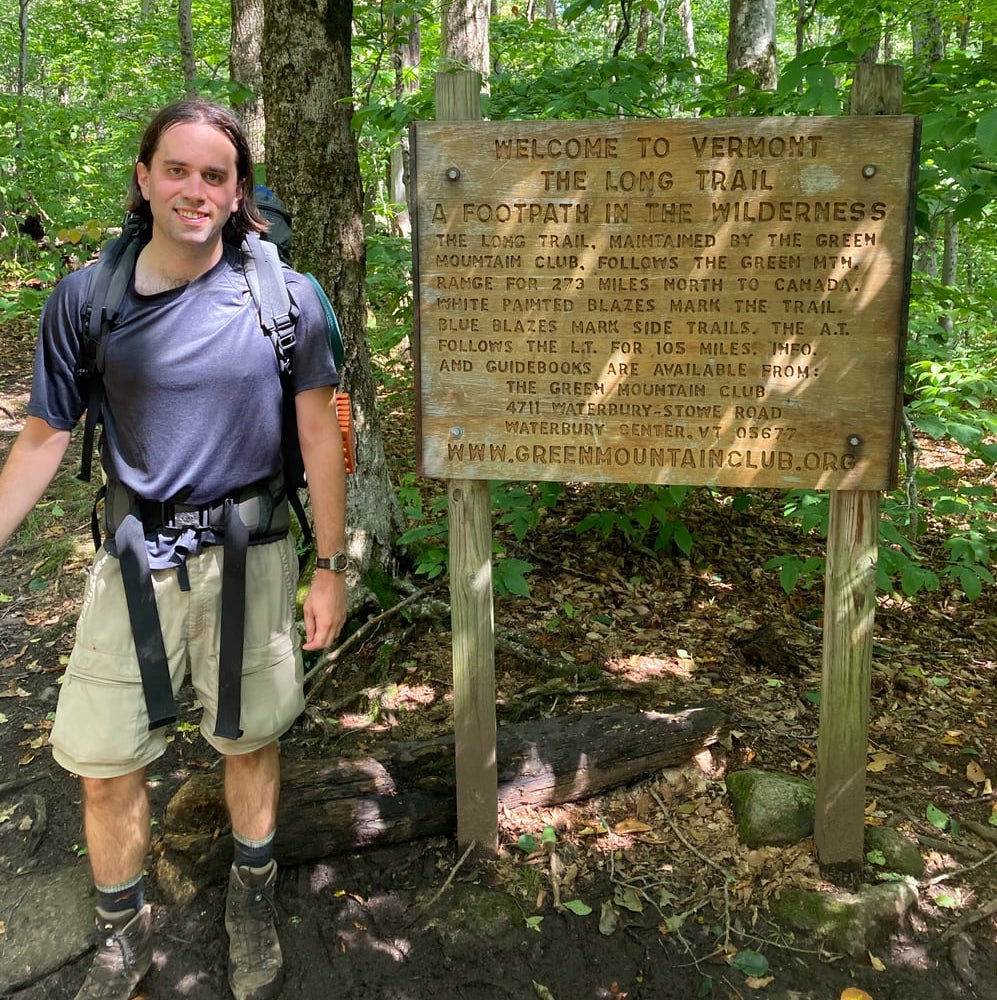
(335, 806)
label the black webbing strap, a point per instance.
(234, 550)
(129, 540)
(95, 517)
(108, 284)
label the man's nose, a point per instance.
(194, 186)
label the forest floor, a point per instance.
(675, 903)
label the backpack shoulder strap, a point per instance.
(265, 276)
(105, 290)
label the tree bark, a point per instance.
(245, 69)
(751, 43)
(335, 806)
(185, 28)
(23, 21)
(688, 33)
(405, 54)
(465, 36)
(312, 161)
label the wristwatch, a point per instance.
(338, 562)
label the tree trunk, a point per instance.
(465, 36)
(246, 70)
(688, 33)
(23, 21)
(406, 56)
(312, 160)
(643, 30)
(928, 39)
(186, 29)
(335, 806)
(751, 43)
(950, 263)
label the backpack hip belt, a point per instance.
(263, 509)
(255, 515)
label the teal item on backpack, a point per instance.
(277, 214)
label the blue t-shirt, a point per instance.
(192, 393)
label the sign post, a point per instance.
(458, 98)
(850, 608)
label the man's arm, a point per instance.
(322, 451)
(31, 465)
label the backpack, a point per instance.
(264, 261)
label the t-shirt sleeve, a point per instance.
(313, 365)
(55, 391)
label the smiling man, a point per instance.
(196, 523)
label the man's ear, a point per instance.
(142, 177)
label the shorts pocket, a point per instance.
(101, 719)
(272, 698)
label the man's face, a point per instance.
(191, 185)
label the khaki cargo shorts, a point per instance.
(101, 725)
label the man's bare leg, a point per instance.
(252, 789)
(116, 826)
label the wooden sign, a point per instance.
(703, 301)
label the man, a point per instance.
(192, 432)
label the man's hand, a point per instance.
(325, 609)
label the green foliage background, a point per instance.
(68, 131)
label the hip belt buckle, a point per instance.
(189, 518)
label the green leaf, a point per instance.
(751, 963)
(947, 901)
(936, 817)
(527, 843)
(509, 577)
(875, 857)
(534, 923)
(986, 133)
(577, 906)
(628, 898)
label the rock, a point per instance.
(900, 854)
(849, 922)
(472, 914)
(771, 808)
(49, 920)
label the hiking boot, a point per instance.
(255, 966)
(124, 954)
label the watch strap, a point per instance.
(338, 562)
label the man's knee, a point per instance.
(114, 793)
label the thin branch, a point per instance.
(443, 888)
(322, 670)
(702, 857)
